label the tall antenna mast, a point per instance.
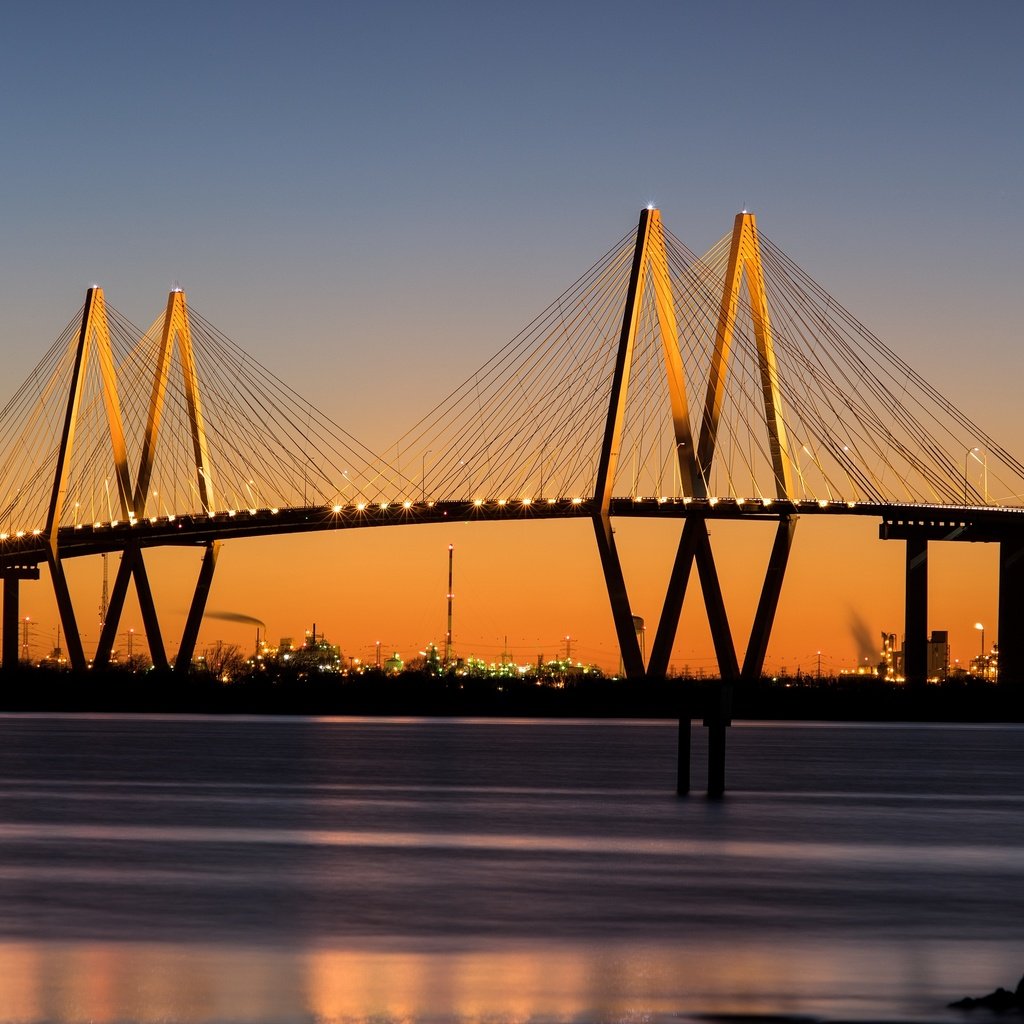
(451, 595)
(105, 596)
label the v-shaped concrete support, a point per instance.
(131, 565)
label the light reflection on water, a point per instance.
(963, 859)
(270, 871)
(197, 984)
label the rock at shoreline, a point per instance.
(1002, 1000)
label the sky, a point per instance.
(371, 199)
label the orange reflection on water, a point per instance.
(512, 985)
(112, 983)
(508, 985)
(107, 983)
(19, 967)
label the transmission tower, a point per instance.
(105, 595)
(451, 596)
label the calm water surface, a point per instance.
(271, 871)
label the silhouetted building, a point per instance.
(891, 665)
(938, 655)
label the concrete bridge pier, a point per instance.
(13, 575)
(915, 643)
(1010, 625)
(1011, 610)
(683, 750)
(717, 720)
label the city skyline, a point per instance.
(862, 640)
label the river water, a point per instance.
(269, 871)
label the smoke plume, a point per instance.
(247, 620)
(863, 637)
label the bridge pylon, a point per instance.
(93, 339)
(94, 345)
(175, 330)
(650, 269)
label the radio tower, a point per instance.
(105, 596)
(448, 634)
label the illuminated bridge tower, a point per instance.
(650, 269)
(94, 343)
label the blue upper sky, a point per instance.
(416, 180)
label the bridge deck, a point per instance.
(936, 522)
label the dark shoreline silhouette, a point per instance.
(425, 694)
(1001, 1001)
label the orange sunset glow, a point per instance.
(521, 587)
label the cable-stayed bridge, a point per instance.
(659, 384)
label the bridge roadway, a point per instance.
(898, 522)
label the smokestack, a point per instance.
(448, 634)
